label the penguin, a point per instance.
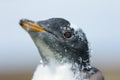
(59, 43)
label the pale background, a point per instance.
(99, 19)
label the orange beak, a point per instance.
(31, 26)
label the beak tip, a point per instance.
(22, 21)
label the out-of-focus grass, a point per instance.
(23, 75)
(112, 74)
(16, 76)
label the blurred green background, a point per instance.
(99, 19)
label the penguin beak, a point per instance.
(31, 26)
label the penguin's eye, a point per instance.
(67, 34)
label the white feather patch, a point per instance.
(56, 72)
(74, 26)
